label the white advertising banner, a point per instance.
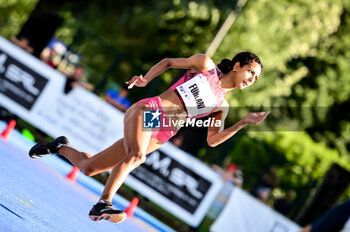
(244, 213)
(177, 181)
(33, 91)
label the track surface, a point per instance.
(35, 197)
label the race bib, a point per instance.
(197, 95)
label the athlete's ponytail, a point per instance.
(225, 66)
(243, 58)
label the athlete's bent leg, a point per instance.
(103, 209)
(137, 144)
(89, 165)
(101, 162)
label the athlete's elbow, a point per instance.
(166, 62)
(212, 143)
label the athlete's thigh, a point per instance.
(136, 138)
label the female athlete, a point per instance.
(199, 93)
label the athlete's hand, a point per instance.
(138, 81)
(254, 118)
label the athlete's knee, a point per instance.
(87, 168)
(137, 157)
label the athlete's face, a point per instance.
(246, 76)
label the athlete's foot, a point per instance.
(105, 211)
(39, 150)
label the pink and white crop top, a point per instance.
(200, 92)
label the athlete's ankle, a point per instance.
(104, 201)
(60, 146)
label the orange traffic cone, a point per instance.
(130, 210)
(5, 135)
(72, 175)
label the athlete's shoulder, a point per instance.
(202, 62)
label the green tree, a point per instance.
(304, 47)
(141, 33)
(13, 14)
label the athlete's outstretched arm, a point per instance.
(217, 135)
(195, 63)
